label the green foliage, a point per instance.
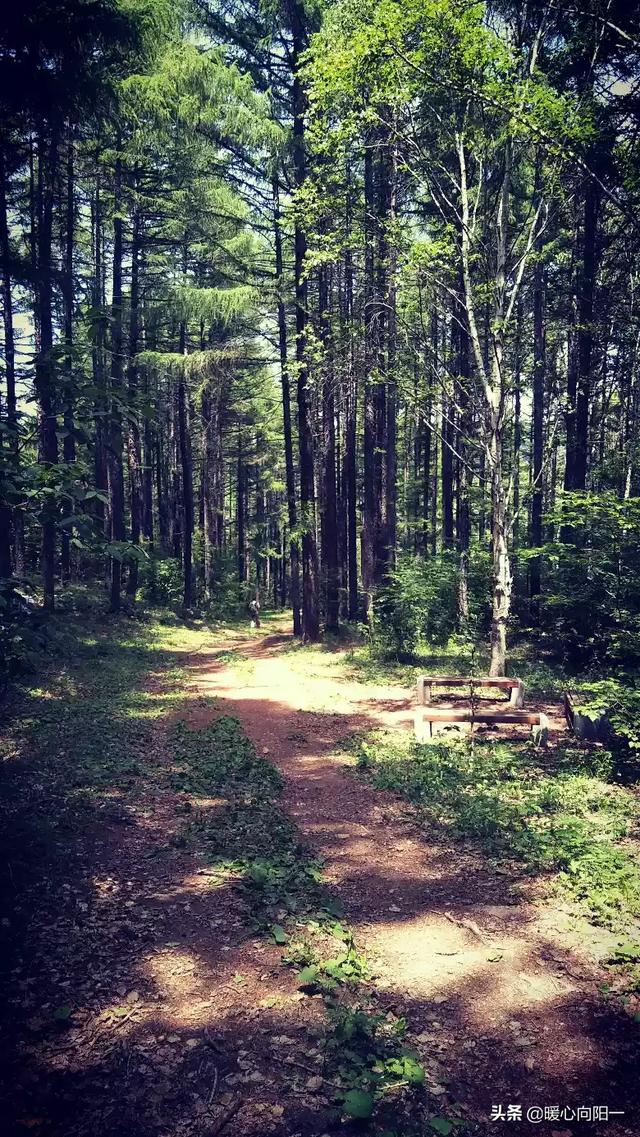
(568, 822)
(366, 1049)
(618, 700)
(417, 605)
(591, 607)
(22, 638)
(417, 608)
(161, 581)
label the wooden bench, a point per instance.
(515, 686)
(427, 715)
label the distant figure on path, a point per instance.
(254, 612)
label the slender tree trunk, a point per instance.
(371, 505)
(69, 444)
(494, 389)
(209, 431)
(329, 517)
(380, 329)
(184, 439)
(98, 361)
(351, 492)
(9, 518)
(391, 471)
(162, 494)
(350, 439)
(539, 353)
(579, 378)
(448, 437)
(463, 528)
(44, 369)
(115, 470)
(134, 448)
(517, 428)
(427, 499)
(292, 508)
(310, 597)
(241, 489)
(147, 480)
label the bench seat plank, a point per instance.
(516, 686)
(425, 716)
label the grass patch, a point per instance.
(78, 732)
(568, 822)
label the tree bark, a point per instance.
(329, 517)
(292, 508)
(310, 597)
(184, 439)
(539, 364)
(579, 377)
(9, 518)
(44, 368)
(134, 448)
(241, 483)
(115, 470)
(69, 444)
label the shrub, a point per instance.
(418, 603)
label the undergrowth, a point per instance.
(568, 821)
(78, 730)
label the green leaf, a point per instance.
(308, 976)
(441, 1125)
(358, 1104)
(414, 1072)
(279, 934)
(62, 1014)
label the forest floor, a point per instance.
(200, 945)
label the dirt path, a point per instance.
(501, 992)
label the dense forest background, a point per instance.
(335, 304)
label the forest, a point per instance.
(319, 373)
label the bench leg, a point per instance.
(541, 731)
(423, 729)
(516, 699)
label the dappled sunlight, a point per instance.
(178, 975)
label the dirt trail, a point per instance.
(502, 993)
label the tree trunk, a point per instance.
(184, 439)
(241, 481)
(134, 449)
(329, 517)
(44, 368)
(310, 599)
(69, 444)
(350, 430)
(579, 377)
(463, 527)
(292, 508)
(98, 361)
(391, 469)
(371, 504)
(10, 518)
(539, 352)
(115, 471)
